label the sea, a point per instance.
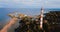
(4, 18)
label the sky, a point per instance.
(29, 3)
(25, 4)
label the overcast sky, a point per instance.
(29, 3)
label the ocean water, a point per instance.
(29, 11)
(4, 18)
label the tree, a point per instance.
(27, 25)
(53, 16)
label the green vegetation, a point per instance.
(28, 25)
(31, 24)
(53, 17)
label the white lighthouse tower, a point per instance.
(41, 18)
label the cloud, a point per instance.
(52, 3)
(29, 3)
(20, 3)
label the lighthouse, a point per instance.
(41, 18)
